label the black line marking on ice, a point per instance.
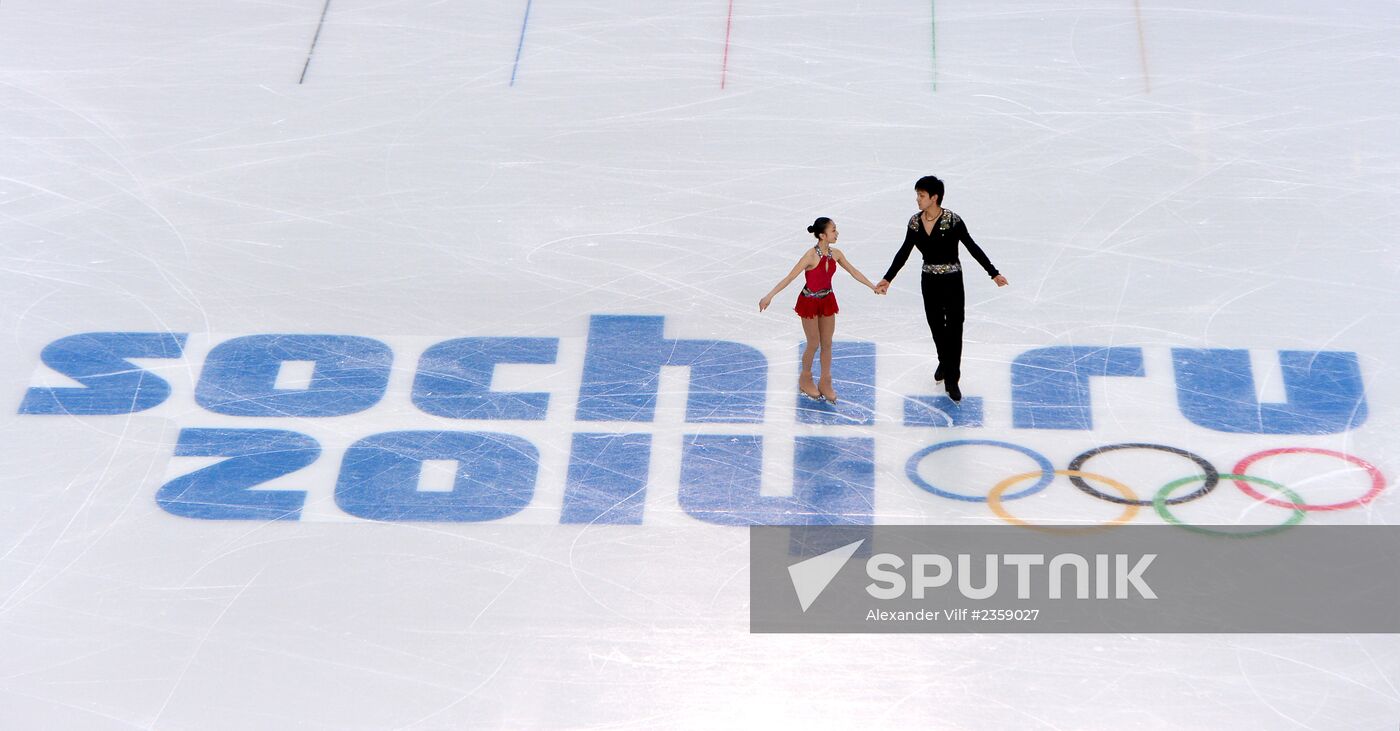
(314, 38)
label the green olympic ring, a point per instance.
(1159, 503)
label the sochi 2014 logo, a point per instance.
(611, 425)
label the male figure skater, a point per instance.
(936, 231)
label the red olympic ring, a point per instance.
(1377, 479)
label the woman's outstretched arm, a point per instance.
(851, 268)
(798, 269)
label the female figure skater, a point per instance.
(816, 304)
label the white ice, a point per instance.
(1147, 175)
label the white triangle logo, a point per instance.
(811, 577)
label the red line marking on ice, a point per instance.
(724, 65)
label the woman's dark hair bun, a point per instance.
(811, 229)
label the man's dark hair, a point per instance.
(931, 185)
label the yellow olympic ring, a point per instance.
(1130, 510)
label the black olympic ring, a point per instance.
(1212, 475)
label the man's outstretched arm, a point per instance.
(899, 258)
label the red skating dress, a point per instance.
(816, 299)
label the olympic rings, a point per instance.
(1377, 479)
(1211, 479)
(1129, 512)
(1160, 502)
(1047, 470)
(1162, 498)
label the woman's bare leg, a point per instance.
(809, 352)
(826, 328)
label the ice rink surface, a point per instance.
(1193, 202)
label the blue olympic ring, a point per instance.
(1047, 470)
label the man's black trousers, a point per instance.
(943, 305)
